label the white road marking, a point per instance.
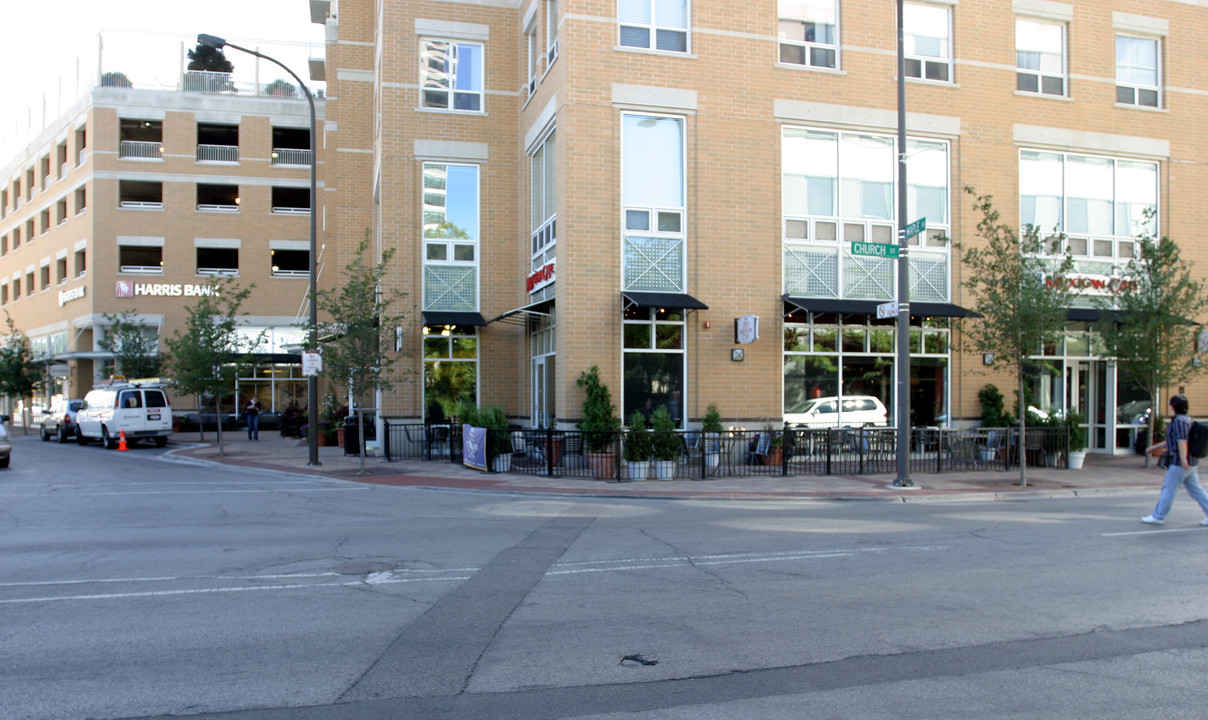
(1154, 531)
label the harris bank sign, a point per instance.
(130, 289)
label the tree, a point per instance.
(19, 374)
(1146, 319)
(358, 351)
(204, 58)
(136, 352)
(203, 355)
(1021, 296)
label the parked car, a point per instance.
(6, 445)
(139, 410)
(833, 412)
(61, 422)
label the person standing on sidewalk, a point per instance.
(1180, 469)
(252, 412)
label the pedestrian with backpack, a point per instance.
(1182, 464)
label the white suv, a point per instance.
(847, 411)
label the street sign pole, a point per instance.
(903, 359)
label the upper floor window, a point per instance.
(1137, 71)
(652, 195)
(1040, 57)
(928, 50)
(530, 39)
(450, 213)
(1100, 203)
(551, 31)
(451, 75)
(809, 33)
(544, 194)
(654, 24)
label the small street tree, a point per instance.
(136, 351)
(1147, 319)
(358, 345)
(19, 374)
(204, 58)
(1022, 298)
(203, 355)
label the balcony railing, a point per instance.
(207, 82)
(277, 210)
(142, 269)
(140, 150)
(215, 207)
(218, 153)
(141, 205)
(290, 156)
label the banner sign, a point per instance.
(474, 447)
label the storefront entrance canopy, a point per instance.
(869, 307)
(662, 300)
(436, 317)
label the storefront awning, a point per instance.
(869, 307)
(541, 307)
(662, 300)
(436, 317)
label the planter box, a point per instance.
(664, 469)
(603, 465)
(637, 471)
(502, 463)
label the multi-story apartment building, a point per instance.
(135, 199)
(572, 183)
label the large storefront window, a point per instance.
(654, 361)
(652, 198)
(450, 370)
(839, 370)
(451, 237)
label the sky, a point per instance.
(49, 48)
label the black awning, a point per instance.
(436, 317)
(541, 307)
(1083, 315)
(662, 300)
(869, 307)
(940, 310)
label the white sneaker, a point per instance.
(1151, 520)
(1204, 522)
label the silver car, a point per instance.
(60, 422)
(6, 445)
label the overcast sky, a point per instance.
(49, 48)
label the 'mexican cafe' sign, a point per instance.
(129, 289)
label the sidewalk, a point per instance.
(1101, 474)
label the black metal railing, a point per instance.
(698, 455)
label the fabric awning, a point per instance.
(438, 317)
(869, 307)
(662, 300)
(541, 307)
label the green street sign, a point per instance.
(915, 228)
(869, 249)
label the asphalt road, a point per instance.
(134, 587)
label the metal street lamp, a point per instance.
(312, 341)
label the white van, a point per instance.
(141, 410)
(830, 412)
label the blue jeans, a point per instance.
(1175, 476)
(253, 428)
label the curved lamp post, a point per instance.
(312, 340)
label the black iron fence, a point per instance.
(695, 455)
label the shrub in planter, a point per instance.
(599, 420)
(499, 444)
(637, 448)
(667, 443)
(993, 414)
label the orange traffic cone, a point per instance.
(121, 441)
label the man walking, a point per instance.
(1181, 469)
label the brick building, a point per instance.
(135, 199)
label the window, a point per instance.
(4, 294)
(140, 256)
(928, 48)
(61, 211)
(544, 191)
(809, 33)
(16, 288)
(81, 200)
(217, 143)
(551, 31)
(29, 184)
(291, 201)
(654, 361)
(4, 203)
(44, 276)
(530, 39)
(61, 270)
(140, 195)
(839, 188)
(652, 196)
(217, 198)
(30, 232)
(45, 220)
(1137, 72)
(81, 265)
(450, 228)
(1100, 203)
(451, 75)
(16, 238)
(29, 283)
(291, 146)
(654, 24)
(1040, 56)
(3, 244)
(81, 144)
(450, 370)
(290, 258)
(217, 257)
(44, 171)
(61, 158)
(141, 139)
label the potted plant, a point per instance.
(637, 448)
(775, 448)
(711, 427)
(667, 444)
(499, 444)
(1077, 456)
(599, 424)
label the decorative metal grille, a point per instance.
(654, 264)
(868, 277)
(811, 271)
(450, 287)
(928, 277)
